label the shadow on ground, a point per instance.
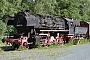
(7, 48)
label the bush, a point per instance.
(2, 28)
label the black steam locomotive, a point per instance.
(36, 27)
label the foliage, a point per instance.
(44, 7)
(11, 30)
(10, 7)
(84, 41)
(77, 9)
(21, 48)
(2, 28)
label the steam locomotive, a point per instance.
(33, 29)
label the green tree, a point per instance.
(84, 10)
(77, 9)
(45, 7)
(11, 7)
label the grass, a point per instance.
(21, 48)
(2, 44)
(70, 43)
(84, 41)
(51, 46)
